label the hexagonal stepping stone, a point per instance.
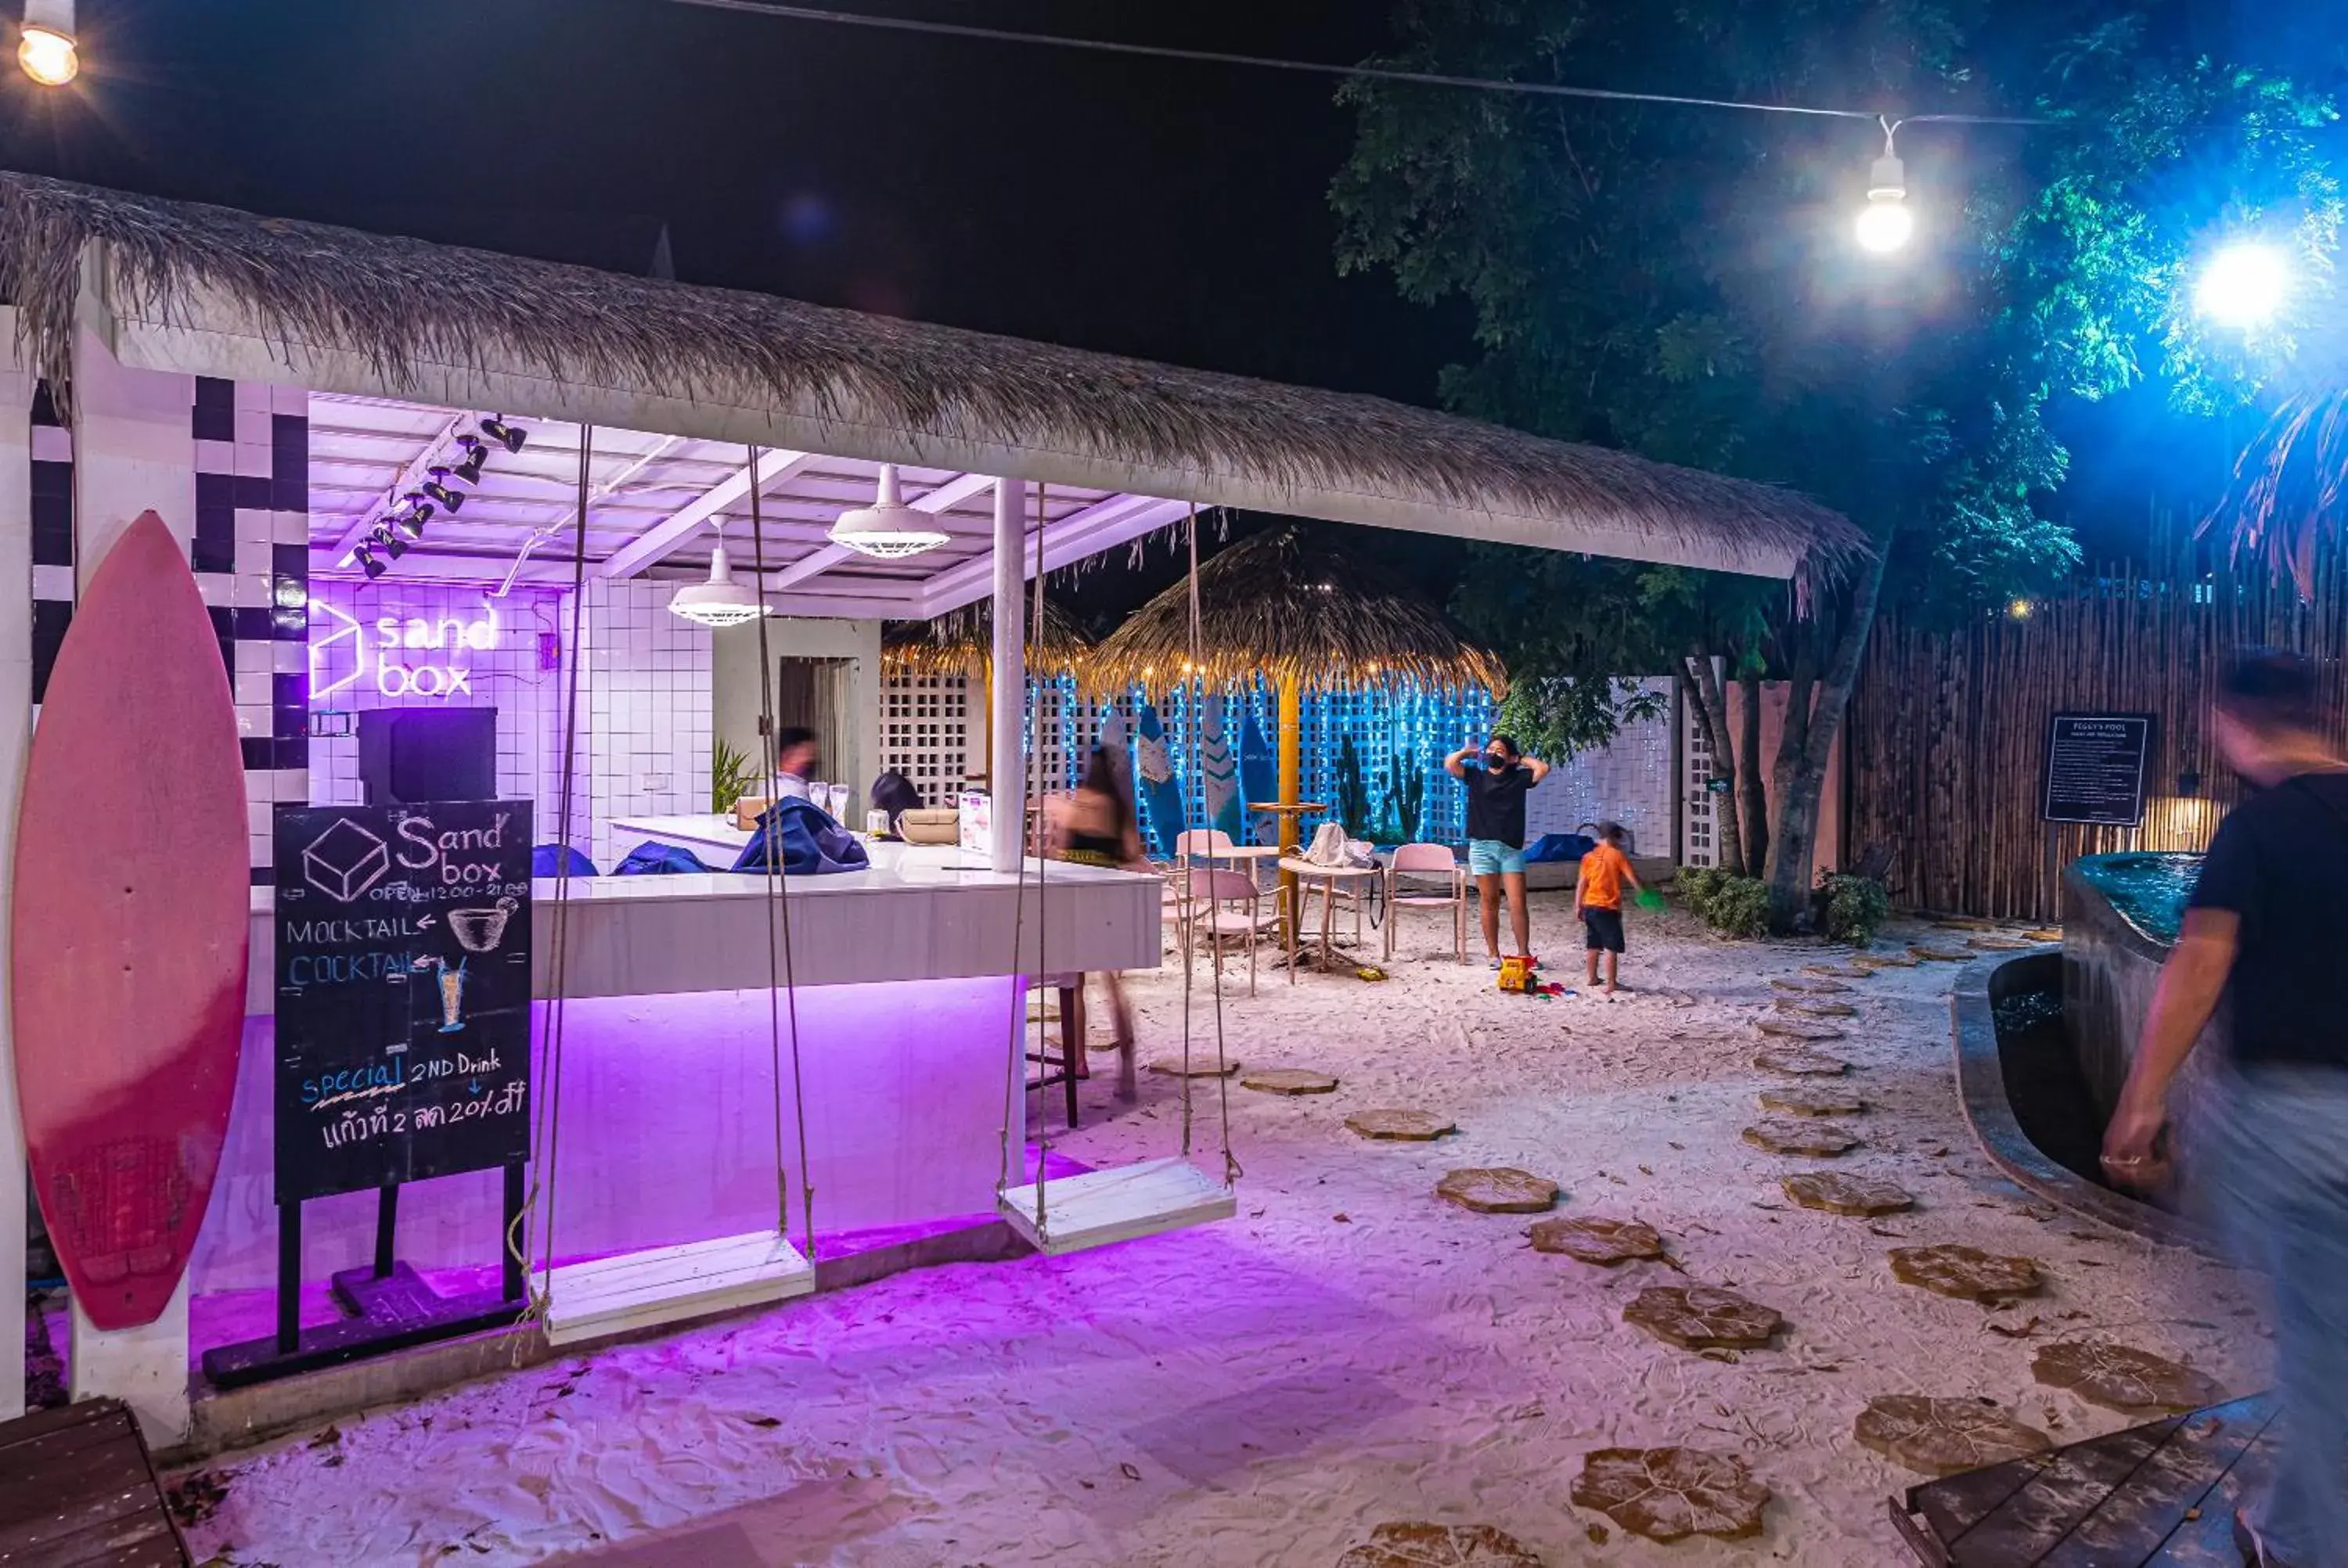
(1796, 1029)
(1886, 960)
(1812, 1007)
(1669, 1494)
(1852, 970)
(1832, 1192)
(1819, 1140)
(2044, 934)
(1805, 987)
(2120, 1378)
(1702, 1317)
(1932, 953)
(1942, 1436)
(1199, 1066)
(1800, 1099)
(1419, 1545)
(1605, 1242)
(1999, 945)
(1966, 1273)
(1498, 1190)
(1796, 1062)
(1289, 1080)
(1401, 1126)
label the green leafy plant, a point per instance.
(1732, 904)
(1352, 790)
(1850, 908)
(730, 776)
(1409, 797)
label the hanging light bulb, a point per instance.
(1885, 223)
(2243, 285)
(45, 47)
(720, 601)
(888, 528)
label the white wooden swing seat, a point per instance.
(1103, 1206)
(668, 1283)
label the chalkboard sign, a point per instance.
(403, 993)
(2095, 766)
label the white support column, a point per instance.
(1007, 771)
(15, 737)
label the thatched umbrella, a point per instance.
(1290, 607)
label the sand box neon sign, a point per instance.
(405, 656)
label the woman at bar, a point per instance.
(1098, 826)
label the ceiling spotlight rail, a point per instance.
(429, 486)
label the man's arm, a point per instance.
(2191, 981)
(1539, 768)
(1455, 763)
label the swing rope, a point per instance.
(782, 992)
(1190, 871)
(1231, 1171)
(1031, 774)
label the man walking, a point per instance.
(2266, 931)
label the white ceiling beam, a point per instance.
(655, 542)
(436, 453)
(1102, 525)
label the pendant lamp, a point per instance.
(720, 601)
(888, 528)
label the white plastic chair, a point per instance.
(1228, 906)
(1428, 860)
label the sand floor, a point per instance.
(1348, 1350)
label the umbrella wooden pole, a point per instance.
(1292, 791)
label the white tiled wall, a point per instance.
(645, 689)
(1629, 780)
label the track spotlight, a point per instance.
(367, 563)
(420, 505)
(411, 522)
(436, 490)
(388, 540)
(511, 437)
(475, 455)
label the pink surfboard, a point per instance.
(130, 928)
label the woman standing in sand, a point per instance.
(1098, 826)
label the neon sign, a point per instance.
(404, 656)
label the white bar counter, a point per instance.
(919, 912)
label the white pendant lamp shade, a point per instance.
(888, 528)
(720, 601)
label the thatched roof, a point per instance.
(400, 308)
(1287, 602)
(962, 643)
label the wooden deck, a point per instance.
(2164, 1494)
(77, 1487)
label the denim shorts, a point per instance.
(1490, 858)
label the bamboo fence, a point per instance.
(1948, 730)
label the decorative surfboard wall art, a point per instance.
(131, 925)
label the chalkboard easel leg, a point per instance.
(386, 1223)
(289, 1277)
(511, 1241)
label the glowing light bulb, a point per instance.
(49, 57)
(2243, 286)
(1885, 225)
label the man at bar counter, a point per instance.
(796, 759)
(2266, 933)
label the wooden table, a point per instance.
(1329, 877)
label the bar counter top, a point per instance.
(919, 912)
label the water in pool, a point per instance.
(2147, 889)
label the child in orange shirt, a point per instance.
(1598, 900)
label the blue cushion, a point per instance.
(803, 837)
(1560, 846)
(550, 860)
(659, 860)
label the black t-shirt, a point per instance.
(2280, 863)
(1495, 803)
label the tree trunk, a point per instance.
(1752, 794)
(1802, 755)
(1712, 711)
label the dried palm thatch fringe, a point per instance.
(1285, 603)
(400, 303)
(2287, 487)
(962, 643)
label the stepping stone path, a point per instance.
(1943, 955)
(1702, 1317)
(1854, 971)
(1200, 1067)
(2045, 934)
(1669, 1494)
(1812, 988)
(1796, 1028)
(1420, 1545)
(2000, 944)
(1887, 960)
(1604, 1242)
(1832, 1192)
(1796, 1062)
(1289, 1080)
(1805, 1102)
(1401, 1126)
(1819, 1140)
(2120, 1378)
(1498, 1190)
(1966, 1273)
(1943, 1437)
(1809, 1008)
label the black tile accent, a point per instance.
(290, 625)
(50, 618)
(223, 620)
(53, 479)
(215, 416)
(228, 659)
(290, 691)
(264, 876)
(293, 751)
(216, 516)
(252, 493)
(52, 513)
(259, 755)
(45, 407)
(252, 625)
(289, 447)
(208, 554)
(290, 560)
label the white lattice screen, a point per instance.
(1698, 845)
(929, 734)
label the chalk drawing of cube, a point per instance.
(344, 861)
